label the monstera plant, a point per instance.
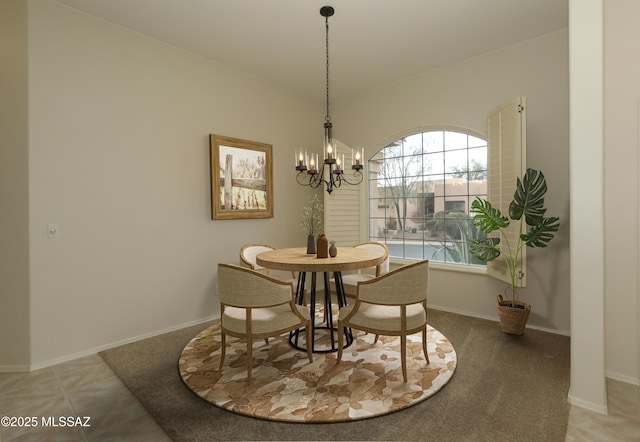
(534, 230)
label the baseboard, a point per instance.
(95, 350)
(462, 312)
(155, 333)
(494, 319)
(13, 368)
(623, 378)
(591, 406)
(89, 352)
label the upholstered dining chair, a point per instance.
(248, 254)
(393, 304)
(256, 306)
(350, 281)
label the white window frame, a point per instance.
(366, 234)
(512, 144)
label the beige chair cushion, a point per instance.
(385, 317)
(263, 320)
(352, 279)
(248, 257)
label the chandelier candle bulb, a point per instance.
(356, 158)
(312, 163)
(301, 160)
(339, 163)
(329, 157)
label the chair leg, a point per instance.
(266, 341)
(424, 344)
(340, 342)
(376, 339)
(403, 354)
(222, 349)
(249, 361)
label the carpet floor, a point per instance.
(505, 388)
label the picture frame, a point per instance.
(241, 172)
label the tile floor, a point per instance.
(84, 387)
(87, 387)
(621, 425)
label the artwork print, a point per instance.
(241, 178)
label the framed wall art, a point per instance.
(241, 178)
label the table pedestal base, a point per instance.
(327, 316)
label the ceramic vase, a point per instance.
(333, 251)
(322, 246)
(311, 245)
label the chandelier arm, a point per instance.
(338, 180)
(316, 179)
(314, 182)
(357, 175)
(303, 182)
(310, 180)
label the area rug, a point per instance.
(286, 387)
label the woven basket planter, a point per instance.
(513, 320)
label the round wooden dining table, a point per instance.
(297, 260)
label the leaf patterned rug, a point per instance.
(286, 387)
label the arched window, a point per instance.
(420, 191)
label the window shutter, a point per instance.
(506, 129)
(342, 207)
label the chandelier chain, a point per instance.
(328, 118)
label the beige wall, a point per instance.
(462, 95)
(14, 191)
(622, 98)
(119, 158)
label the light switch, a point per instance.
(53, 231)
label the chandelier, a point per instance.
(310, 172)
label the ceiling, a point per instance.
(371, 42)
